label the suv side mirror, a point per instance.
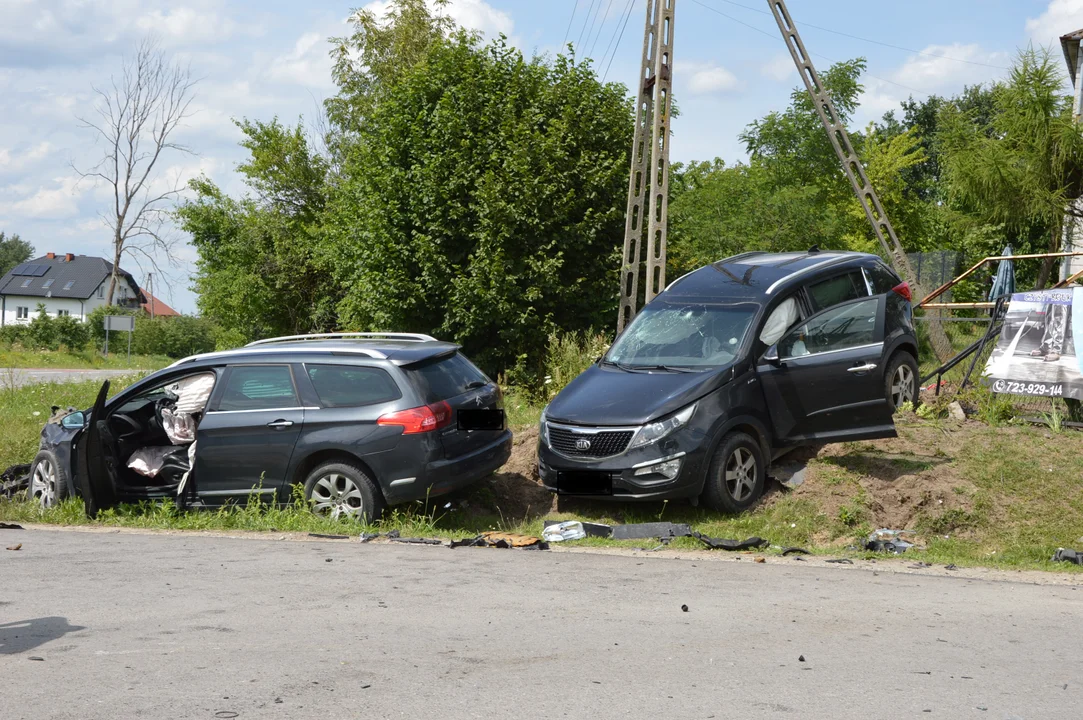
(73, 421)
(771, 356)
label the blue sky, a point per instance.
(262, 59)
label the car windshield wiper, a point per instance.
(668, 368)
(623, 366)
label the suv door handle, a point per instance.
(280, 424)
(862, 368)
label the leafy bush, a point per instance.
(566, 356)
(96, 322)
(175, 337)
(13, 334)
(41, 332)
(71, 333)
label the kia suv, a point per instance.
(727, 369)
(356, 421)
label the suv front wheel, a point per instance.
(901, 381)
(341, 489)
(736, 476)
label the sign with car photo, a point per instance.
(1038, 351)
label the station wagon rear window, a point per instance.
(351, 386)
(447, 378)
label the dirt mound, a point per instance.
(517, 489)
(903, 483)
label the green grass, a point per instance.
(15, 357)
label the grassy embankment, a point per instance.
(1002, 496)
(17, 357)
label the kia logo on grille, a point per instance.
(582, 444)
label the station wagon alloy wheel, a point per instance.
(43, 483)
(741, 474)
(336, 495)
(902, 386)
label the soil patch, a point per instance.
(516, 488)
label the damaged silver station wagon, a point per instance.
(358, 420)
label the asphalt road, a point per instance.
(33, 376)
(158, 626)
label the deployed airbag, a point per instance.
(192, 393)
(148, 461)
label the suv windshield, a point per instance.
(683, 335)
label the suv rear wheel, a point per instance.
(901, 381)
(341, 489)
(736, 476)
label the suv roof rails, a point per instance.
(415, 337)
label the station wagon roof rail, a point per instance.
(416, 337)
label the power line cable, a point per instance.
(575, 8)
(600, 27)
(589, 11)
(631, 4)
(592, 22)
(870, 40)
(822, 57)
(616, 29)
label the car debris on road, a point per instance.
(1069, 556)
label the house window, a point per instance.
(22, 313)
(63, 313)
(68, 285)
(48, 283)
(26, 283)
(101, 290)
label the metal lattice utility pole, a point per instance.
(648, 182)
(851, 165)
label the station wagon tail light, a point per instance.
(903, 289)
(426, 418)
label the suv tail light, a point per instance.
(426, 418)
(903, 289)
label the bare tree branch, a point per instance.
(137, 115)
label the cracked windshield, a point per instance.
(683, 336)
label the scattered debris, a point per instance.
(561, 531)
(956, 412)
(10, 526)
(919, 565)
(502, 540)
(951, 567)
(417, 540)
(14, 480)
(1070, 556)
(329, 537)
(36, 658)
(684, 608)
(752, 543)
(328, 560)
(641, 531)
(798, 557)
(884, 540)
(800, 658)
(15, 547)
(791, 475)
(841, 561)
(794, 551)
(760, 560)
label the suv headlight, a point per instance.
(655, 431)
(543, 426)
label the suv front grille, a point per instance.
(601, 444)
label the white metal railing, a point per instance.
(416, 337)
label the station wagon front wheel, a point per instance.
(736, 476)
(48, 480)
(343, 490)
(902, 381)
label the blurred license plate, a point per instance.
(481, 419)
(584, 482)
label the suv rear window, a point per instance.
(446, 378)
(352, 386)
(839, 289)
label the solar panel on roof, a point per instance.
(20, 269)
(39, 270)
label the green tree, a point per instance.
(483, 201)
(41, 332)
(1023, 166)
(257, 273)
(13, 251)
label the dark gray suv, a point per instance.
(728, 368)
(358, 420)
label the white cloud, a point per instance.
(704, 78)
(308, 63)
(1060, 18)
(950, 67)
(473, 14)
(779, 68)
(59, 201)
(186, 25)
(17, 161)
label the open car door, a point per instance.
(824, 380)
(96, 469)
